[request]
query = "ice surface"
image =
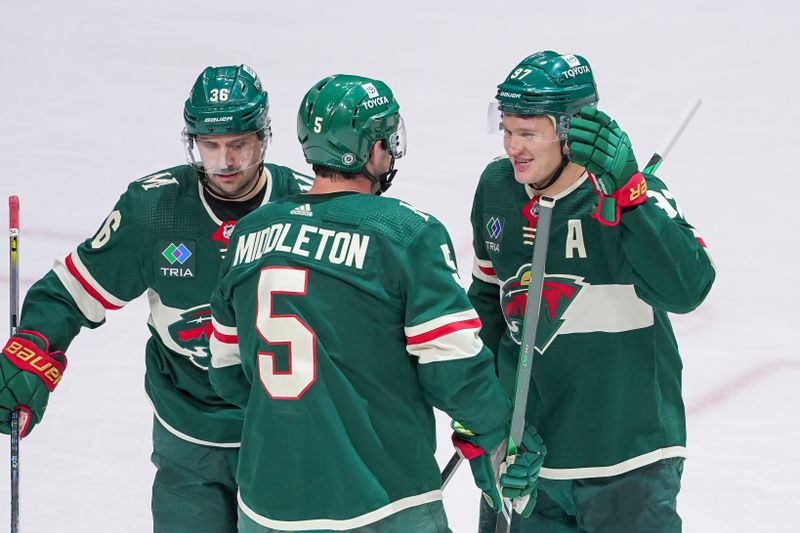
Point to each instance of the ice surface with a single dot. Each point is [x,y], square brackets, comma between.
[91,95]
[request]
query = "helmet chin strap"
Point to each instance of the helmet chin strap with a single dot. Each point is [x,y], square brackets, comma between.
[384,180]
[556,174]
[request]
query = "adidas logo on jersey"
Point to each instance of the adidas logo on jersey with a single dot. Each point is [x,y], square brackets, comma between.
[304,210]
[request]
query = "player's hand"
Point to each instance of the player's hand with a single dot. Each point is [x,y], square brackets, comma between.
[494,476]
[522,472]
[28,374]
[597,143]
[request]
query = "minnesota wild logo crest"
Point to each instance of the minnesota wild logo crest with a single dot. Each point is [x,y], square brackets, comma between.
[192,332]
[558,293]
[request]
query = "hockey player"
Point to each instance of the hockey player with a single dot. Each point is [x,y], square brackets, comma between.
[167,234]
[339,322]
[606,385]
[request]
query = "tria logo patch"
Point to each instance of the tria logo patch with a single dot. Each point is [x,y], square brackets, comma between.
[177,254]
[559,292]
[493,227]
[177,259]
[193,333]
[302,210]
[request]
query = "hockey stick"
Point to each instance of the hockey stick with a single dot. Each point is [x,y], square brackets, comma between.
[530,326]
[13,236]
[652,165]
[673,136]
[504,518]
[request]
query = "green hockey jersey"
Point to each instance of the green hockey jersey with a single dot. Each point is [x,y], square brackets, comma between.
[606,385]
[163,238]
[339,322]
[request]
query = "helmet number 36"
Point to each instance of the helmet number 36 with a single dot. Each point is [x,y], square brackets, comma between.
[290,330]
[218,95]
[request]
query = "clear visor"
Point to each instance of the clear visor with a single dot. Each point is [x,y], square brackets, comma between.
[538,132]
[226,154]
[397,140]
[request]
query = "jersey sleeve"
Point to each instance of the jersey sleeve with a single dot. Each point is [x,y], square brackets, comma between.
[671,266]
[225,371]
[484,291]
[103,273]
[455,369]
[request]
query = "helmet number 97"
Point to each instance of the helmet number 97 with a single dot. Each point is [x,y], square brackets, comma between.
[219,95]
[520,73]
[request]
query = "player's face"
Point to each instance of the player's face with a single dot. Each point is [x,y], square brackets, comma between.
[231,162]
[533,147]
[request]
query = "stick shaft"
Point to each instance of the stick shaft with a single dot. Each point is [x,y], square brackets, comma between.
[673,136]
[527,350]
[13,236]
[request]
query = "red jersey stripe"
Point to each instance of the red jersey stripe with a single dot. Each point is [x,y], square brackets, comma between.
[87,286]
[487,270]
[227,339]
[441,331]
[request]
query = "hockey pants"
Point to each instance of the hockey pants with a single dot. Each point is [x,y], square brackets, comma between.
[194,490]
[639,501]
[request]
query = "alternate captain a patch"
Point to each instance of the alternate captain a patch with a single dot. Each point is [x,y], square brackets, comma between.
[176,259]
[493,232]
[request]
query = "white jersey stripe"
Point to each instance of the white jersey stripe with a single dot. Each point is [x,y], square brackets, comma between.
[225,330]
[484,272]
[88,305]
[609,308]
[345,524]
[460,344]
[189,438]
[613,470]
[224,346]
[430,325]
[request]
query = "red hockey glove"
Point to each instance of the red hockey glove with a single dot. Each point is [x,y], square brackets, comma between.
[28,374]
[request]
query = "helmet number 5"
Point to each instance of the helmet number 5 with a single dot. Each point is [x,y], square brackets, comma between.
[294,380]
[317,124]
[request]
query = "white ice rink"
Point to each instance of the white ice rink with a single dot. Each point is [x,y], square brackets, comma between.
[91,95]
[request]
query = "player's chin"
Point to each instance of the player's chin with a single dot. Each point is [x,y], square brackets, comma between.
[228,184]
[525,178]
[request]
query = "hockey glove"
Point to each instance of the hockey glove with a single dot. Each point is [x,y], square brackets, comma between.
[28,374]
[597,143]
[515,479]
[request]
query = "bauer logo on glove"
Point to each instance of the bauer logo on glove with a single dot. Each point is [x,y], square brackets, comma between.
[27,356]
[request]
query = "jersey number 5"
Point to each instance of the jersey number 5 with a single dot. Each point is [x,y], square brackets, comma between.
[290,330]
